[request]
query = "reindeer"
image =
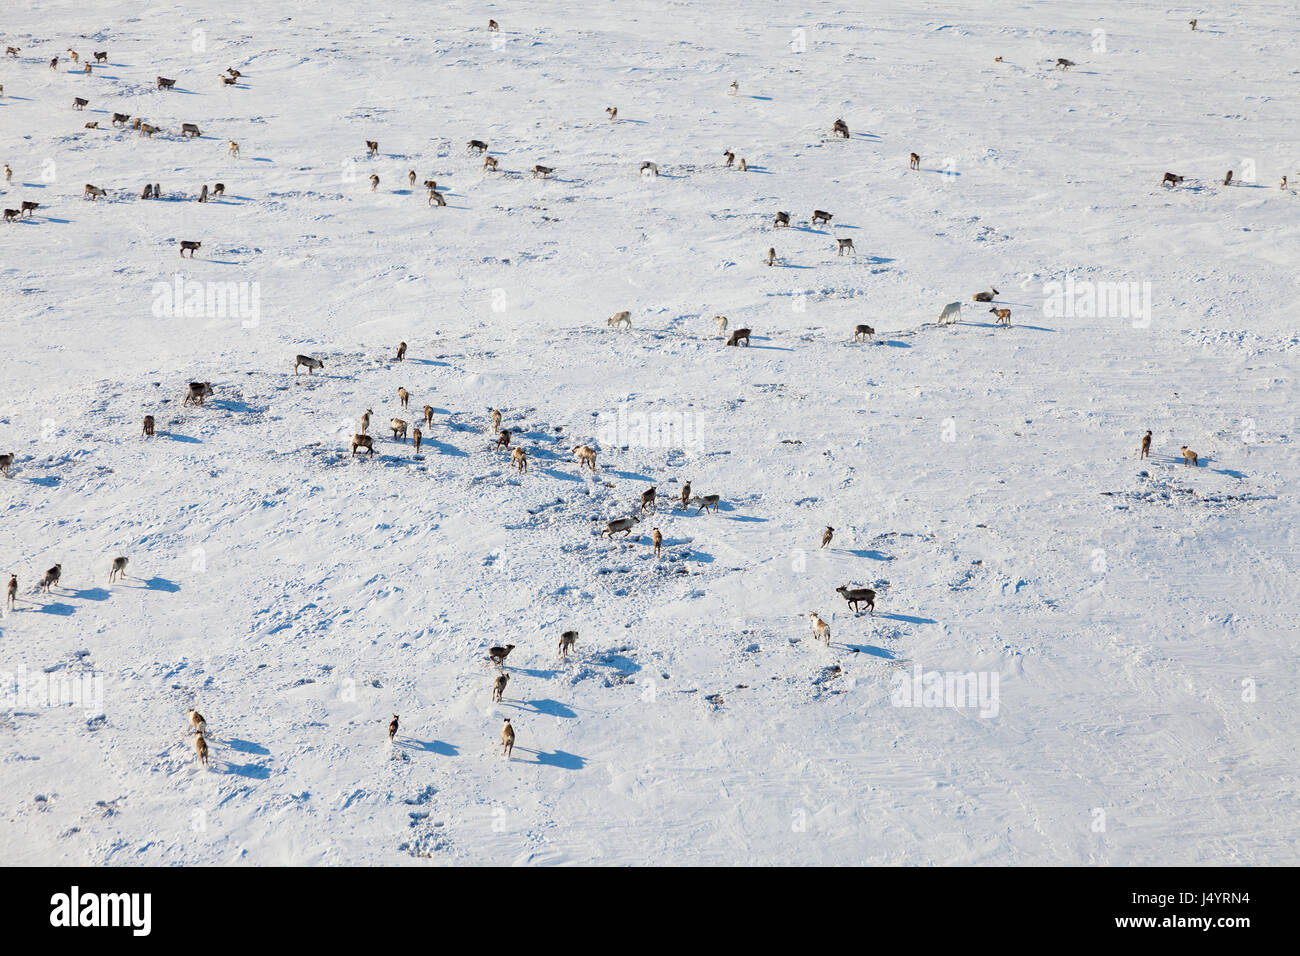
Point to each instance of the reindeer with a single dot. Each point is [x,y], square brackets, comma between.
[94,124]
[392,728]
[827,535]
[656,541]
[51,578]
[1004,315]
[79,102]
[734,88]
[496,420]
[29,207]
[507,737]
[840,128]
[9,173]
[72,55]
[738,336]
[190,131]
[984,296]
[233,149]
[372,148]
[731,157]
[101,56]
[1193,23]
[228,80]
[1171,180]
[1227,180]
[706,502]
[653,167]
[499,686]
[201,748]
[542,171]
[404,397]
[742,165]
[822,216]
[219,189]
[1190,458]
[147,431]
[1146,446]
[1063,64]
[620,524]
[11,50]
[11,594]
[771,255]
[586,455]
[436,198]
[147,129]
[821,630]
[648,500]
[477,145]
[493,26]
[5,462]
[374,181]
[950,314]
[490,162]
[87,70]
[93,192]
[686,495]
[417,436]
[612,111]
[121,119]
[203,193]
[197,723]
[721,322]
[363,441]
[54,63]
[914,161]
[856,596]
[567,641]
[165,84]
[498,655]
[428,416]
[197,392]
[10,215]
[519,459]
[118,570]
[620,319]
[862,332]
[782,219]
[401,351]
[365,421]
[503,440]
[845,245]
[185,243]
[410,177]
[308,361]
[398,428]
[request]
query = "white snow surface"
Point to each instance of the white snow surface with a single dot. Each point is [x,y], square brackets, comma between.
[1139,616]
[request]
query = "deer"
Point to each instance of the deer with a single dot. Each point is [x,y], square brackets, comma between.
[984,296]
[374,181]
[490,162]
[11,592]
[29,207]
[93,192]
[648,500]
[543,171]
[822,215]
[428,416]
[6,461]
[738,336]
[721,322]
[1004,315]
[496,420]
[118,570]
[197,723]
[498,655]
[503,440]
[771,256]
[519,460]
[365,421]
[363,441]
[165,84]
[620,319]
[730,156]
[372,148]
[401,351]
[612,111]
[196,393]
[51,578]
[477,145]
[653,167]
[233,149]
[620,524]
[417,436]
[80,102]
[845,245]
[586,455]
[1190,458]
[856,596]
[1146,446]
[404,397]
[201,748]
[1171,180]
[950,314]
[567,641]
[121,119]
[914,161]
[782,219]
[398,427]
[499,686]
[436,198]
[147,431]
[656,541]
[190,131]
[827,535]
[191,245]
[310,363]
[392,728]
[840,128]
[862,332]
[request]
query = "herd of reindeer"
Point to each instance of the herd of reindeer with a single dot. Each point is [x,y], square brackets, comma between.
[584,455]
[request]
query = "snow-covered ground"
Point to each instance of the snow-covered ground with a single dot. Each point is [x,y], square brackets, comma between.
[1132,623]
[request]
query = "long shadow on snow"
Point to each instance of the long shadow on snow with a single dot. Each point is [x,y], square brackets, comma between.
[559,758]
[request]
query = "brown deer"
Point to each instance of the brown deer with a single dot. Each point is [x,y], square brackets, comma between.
[914,161]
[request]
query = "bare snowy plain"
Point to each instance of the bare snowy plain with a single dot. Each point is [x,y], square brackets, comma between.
[1126,627]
